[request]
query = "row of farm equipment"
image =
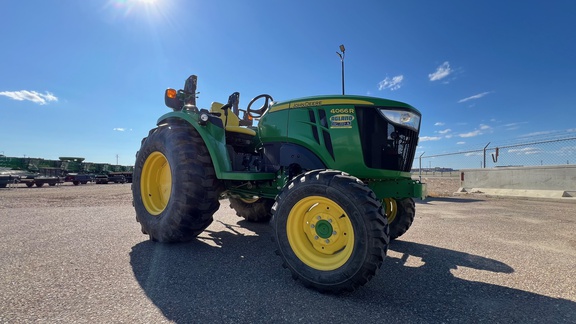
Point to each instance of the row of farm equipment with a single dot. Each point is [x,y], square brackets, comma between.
[39,172]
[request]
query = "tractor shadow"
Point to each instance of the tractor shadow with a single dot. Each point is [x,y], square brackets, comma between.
[447,199]
[226,276]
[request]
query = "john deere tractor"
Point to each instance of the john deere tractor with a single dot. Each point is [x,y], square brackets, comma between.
[332,172]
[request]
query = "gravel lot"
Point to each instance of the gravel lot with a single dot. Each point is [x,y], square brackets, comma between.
[76,254]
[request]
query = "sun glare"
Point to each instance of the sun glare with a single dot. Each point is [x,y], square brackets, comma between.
[135,7]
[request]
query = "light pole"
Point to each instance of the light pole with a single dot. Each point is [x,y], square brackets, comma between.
[342,49]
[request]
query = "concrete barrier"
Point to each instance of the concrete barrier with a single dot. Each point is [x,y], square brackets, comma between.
[555,181]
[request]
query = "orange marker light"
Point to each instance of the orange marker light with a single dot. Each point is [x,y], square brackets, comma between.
[171,93]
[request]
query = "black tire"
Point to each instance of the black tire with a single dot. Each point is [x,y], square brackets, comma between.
[179,210]
[51,184]
[405,213]
[29,184]
[258,211]
[76,182]
[39,184]
[83,182]
[330,230]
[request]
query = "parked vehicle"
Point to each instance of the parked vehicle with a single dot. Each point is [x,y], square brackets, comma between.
[332,171]
[8,179]
[101,179]
[77,179]
[39,172]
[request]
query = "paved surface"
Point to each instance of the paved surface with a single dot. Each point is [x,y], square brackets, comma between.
[76,254]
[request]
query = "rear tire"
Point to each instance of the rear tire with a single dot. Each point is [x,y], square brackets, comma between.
[330,230]
[175,189]
[258,211]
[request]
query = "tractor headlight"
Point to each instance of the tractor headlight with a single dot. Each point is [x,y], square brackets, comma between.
[402,117]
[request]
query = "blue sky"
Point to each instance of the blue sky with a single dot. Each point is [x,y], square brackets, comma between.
[87,78]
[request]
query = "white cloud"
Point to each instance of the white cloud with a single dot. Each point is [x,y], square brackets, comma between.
[526,150]
[471,134]
[119,129]
[514,126]
[538,133]
[441,72]
[439,124]
[430,138]
[460,143]
[391,83]
[484,127]
[449,136]
[476,96]
[33,96]
[448,130]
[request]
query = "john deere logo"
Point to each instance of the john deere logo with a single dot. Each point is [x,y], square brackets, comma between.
[341,121]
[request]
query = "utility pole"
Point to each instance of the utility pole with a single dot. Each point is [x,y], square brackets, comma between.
[116,159]
[342,50]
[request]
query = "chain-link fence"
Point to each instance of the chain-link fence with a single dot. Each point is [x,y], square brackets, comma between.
[555,151]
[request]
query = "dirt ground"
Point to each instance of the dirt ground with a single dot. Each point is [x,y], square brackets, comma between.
[66,195]
[75,254]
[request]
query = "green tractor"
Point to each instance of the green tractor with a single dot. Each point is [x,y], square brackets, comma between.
[332,172]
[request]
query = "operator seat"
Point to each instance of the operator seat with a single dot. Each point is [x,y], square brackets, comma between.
[231,122]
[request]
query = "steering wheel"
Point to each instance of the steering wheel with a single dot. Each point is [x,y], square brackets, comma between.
[259,112]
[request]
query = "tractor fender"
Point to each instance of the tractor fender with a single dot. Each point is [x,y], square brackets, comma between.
[212,134]
[291,154]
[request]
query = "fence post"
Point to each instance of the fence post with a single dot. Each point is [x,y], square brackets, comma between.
[420,167]
[485,154]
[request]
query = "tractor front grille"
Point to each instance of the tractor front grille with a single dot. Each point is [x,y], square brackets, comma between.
[385,145]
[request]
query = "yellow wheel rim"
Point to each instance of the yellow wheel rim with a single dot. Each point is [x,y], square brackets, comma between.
[391,209]
[156,183]
[320,233]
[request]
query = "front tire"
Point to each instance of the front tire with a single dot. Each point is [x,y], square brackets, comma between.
[253,210]
[400,215]
[175,189]
[330,230]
